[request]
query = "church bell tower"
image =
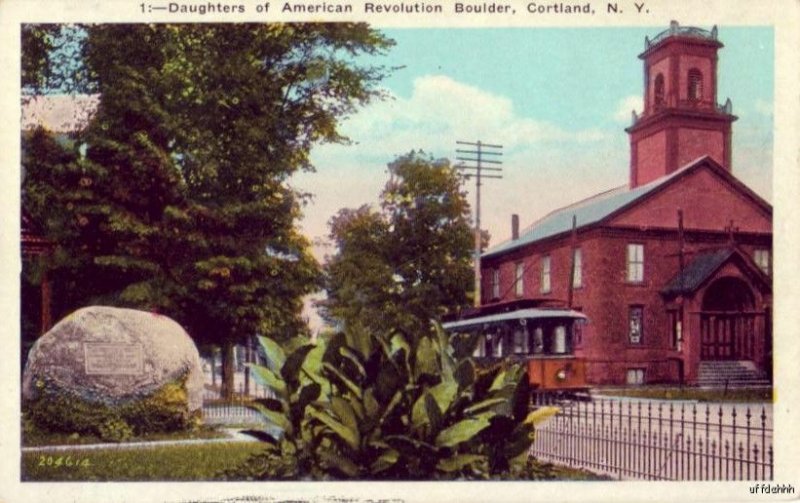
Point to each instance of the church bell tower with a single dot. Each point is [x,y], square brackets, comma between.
[681,120]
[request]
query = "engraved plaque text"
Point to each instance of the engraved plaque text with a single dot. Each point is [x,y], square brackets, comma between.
[109,358]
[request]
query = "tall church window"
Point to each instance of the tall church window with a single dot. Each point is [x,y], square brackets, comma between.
[545,284]
[658,90]
[635,324]
[519,285]
[635,263]
[761,258]
[695,91]
[577,274]
[495,283]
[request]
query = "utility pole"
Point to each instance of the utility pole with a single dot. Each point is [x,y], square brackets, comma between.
[476,158]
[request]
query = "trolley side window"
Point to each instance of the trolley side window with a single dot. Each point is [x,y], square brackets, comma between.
[480,347]
[521,338]
[496,343]
[559,340]
[538,341]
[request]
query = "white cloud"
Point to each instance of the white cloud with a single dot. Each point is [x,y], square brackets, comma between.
[626,105]
[439,112]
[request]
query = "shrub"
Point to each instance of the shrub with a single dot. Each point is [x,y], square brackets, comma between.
[389,406]
[115,430]
[164,410]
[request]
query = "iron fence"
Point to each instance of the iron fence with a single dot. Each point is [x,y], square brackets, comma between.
[656,440]
[233,411]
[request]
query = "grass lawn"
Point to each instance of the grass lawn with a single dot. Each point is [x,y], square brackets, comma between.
[688,393]
[32,437]
[176,463]
[170,463]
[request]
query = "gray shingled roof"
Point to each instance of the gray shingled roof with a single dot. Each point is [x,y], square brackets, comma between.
[697,271]
[520,314]
[587,212]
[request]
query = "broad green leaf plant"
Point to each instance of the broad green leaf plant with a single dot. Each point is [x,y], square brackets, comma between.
[362,405]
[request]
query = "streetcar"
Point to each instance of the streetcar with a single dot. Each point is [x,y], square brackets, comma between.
[538,334]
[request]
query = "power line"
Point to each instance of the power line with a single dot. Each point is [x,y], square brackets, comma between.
[482,154]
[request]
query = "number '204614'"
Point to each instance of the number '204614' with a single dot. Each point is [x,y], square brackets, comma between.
[66,461]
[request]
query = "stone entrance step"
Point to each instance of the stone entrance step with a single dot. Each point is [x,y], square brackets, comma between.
[731,373]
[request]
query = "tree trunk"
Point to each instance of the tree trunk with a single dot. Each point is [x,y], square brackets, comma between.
[213,369]
[247,359]
[228,370]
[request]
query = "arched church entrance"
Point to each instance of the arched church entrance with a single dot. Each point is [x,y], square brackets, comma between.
[729,322]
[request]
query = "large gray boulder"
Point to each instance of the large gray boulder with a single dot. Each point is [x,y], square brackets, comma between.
[114,356]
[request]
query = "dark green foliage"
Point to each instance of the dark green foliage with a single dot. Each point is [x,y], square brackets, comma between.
[33,436]
[164,410]
[411,261]
[362,405]
[176,196]
[115,430]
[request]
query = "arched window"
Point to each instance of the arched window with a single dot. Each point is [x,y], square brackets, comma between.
[658,90]
[695,91]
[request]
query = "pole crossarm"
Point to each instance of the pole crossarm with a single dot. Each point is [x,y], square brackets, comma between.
[477,168]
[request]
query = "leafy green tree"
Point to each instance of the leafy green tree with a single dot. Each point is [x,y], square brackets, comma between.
[410,261]
[367,405]
[180,200]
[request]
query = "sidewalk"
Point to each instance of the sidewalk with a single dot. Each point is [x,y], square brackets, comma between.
[234,436]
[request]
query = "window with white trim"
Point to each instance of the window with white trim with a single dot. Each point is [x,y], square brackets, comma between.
[577,274]
[519,283]
[761,258]
[545,284]
[495,283]
[635,324]
[635,263]
[634,377]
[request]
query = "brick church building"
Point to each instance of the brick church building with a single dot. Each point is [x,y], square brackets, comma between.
[672,270]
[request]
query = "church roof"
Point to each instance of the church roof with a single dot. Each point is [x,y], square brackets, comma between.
[704,265]
[697,271]
[587,212]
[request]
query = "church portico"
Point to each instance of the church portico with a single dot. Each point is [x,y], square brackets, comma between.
[725,300]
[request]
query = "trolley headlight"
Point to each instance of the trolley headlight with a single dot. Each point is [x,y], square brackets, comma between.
[561,375]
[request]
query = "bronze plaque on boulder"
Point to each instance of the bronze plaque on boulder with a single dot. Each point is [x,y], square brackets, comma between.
[108,358]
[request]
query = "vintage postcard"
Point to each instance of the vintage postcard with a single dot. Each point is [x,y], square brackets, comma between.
[400,251]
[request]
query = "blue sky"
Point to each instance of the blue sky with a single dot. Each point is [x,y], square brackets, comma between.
[558,100]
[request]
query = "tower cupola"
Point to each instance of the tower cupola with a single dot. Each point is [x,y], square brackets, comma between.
[681,120]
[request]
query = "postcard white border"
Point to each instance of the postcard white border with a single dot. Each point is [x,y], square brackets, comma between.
[783,15]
